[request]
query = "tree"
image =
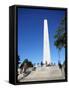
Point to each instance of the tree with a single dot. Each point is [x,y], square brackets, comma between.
[17,63]
[59,46]
[18,60]
[30,64]
[63,32]
[27,62]
[60,36]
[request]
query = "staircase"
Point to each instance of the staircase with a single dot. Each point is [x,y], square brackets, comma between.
[45,73]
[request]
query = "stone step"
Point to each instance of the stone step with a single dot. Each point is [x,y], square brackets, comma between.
[47,72]
[44,73]
[47,68]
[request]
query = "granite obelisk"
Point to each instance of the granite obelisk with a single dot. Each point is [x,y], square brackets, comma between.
[46,44]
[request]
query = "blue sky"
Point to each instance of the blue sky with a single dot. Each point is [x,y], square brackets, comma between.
[30,33]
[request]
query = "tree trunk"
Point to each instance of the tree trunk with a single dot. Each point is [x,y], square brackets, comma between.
[59,54]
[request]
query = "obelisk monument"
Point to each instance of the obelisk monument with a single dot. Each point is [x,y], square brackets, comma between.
[46,44]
